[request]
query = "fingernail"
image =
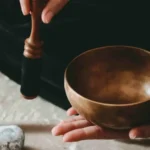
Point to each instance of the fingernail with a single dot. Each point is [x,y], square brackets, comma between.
[62,121]
[54,133]
[68,114]
[137,135]
[66,139]
[132,135]
[47,18]
[24,10]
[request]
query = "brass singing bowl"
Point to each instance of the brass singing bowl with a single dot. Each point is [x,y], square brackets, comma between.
[110,86]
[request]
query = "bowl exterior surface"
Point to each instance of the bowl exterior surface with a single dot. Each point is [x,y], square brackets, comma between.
[115,116]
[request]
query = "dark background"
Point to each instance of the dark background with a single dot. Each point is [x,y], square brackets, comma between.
[80,26]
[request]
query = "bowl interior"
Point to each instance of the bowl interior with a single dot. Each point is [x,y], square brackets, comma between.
[113,75]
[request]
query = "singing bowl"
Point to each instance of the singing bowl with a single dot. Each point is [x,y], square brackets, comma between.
[110,86]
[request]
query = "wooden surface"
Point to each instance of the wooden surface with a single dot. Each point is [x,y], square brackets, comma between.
[38,117]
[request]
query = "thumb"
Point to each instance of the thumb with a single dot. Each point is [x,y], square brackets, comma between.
[52,8]
[25,6]
[140,132]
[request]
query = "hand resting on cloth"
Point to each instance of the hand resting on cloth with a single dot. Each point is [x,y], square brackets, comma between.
[78,128]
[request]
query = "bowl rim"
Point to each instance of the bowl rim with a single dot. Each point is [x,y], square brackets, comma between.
[90,100]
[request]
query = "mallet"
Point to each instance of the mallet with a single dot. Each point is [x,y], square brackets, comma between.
[32,56]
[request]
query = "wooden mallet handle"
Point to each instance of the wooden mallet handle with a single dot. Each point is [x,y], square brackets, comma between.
[32,56]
